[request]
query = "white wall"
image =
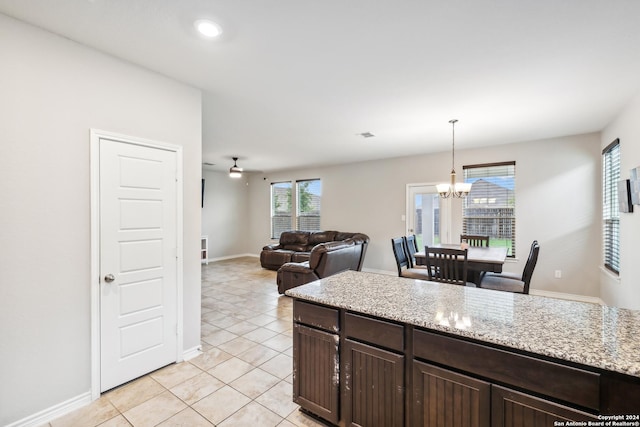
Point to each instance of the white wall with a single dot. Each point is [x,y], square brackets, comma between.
[52,92]
[369,197]
[225,214]
[625,290]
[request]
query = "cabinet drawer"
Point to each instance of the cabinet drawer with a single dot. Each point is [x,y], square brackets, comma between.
[378,332]
[509,408]
[566,383]
[315,315]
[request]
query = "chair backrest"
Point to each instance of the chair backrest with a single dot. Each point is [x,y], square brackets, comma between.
[475,240]
[399,253]
[447,265]
[527,273]
[411,246]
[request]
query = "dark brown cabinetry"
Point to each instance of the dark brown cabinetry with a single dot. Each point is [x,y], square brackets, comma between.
[373,367]
[316,360]
[515,409]
[356,370]
[446,398]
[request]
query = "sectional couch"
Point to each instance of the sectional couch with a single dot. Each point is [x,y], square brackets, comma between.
[302,256]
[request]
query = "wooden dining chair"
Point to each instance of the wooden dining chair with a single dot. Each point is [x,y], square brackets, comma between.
[411,246]
[511,282]
[475,240]
[402,261]
[447,265]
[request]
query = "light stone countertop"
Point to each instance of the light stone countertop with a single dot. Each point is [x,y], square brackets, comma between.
[589,334]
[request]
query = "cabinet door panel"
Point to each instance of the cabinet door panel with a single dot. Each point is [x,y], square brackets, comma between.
[446,398]
[510,408]
[374,386]
[315,372]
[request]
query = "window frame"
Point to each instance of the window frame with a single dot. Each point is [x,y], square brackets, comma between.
[611,166]
[298,215]
[272,210]
[513,222]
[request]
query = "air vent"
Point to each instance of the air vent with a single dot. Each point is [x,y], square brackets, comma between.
[366,135]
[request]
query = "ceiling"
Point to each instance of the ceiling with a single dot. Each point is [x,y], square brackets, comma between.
[293,83]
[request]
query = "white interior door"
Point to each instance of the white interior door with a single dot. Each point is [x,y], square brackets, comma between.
[138,260]
[427,216]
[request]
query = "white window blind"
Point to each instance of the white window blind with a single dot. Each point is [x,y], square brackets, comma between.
[489,209]
[308,196]
[610,212]
[280,208]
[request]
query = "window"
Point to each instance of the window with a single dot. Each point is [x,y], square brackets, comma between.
[280,208]
[610,213]
[489,209]
[308,194]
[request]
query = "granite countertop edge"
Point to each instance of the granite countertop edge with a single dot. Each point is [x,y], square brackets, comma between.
[615,352]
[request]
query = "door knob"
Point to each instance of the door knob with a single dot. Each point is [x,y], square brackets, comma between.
[109,278]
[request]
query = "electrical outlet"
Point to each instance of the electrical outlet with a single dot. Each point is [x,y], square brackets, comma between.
[558,274]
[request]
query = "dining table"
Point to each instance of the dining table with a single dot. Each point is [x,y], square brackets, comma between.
[479,260]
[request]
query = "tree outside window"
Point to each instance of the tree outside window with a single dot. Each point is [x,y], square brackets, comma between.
[308,193]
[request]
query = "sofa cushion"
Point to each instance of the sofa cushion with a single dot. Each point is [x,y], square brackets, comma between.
[297,248]
[341,235]
[322,237]
[316,254]
[273,259]
[300,256]
[294,238]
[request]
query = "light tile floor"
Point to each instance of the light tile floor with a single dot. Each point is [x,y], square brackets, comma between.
[242,378]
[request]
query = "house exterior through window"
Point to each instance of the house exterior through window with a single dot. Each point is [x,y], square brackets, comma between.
[306,200]
[280,208]
[308,195]
[610,211]
[489,209]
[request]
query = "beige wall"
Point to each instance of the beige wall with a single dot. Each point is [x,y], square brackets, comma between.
[225,214]
[370,197]
[53,92]
[624,291]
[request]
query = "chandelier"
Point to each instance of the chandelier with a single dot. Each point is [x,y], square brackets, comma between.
[453,189]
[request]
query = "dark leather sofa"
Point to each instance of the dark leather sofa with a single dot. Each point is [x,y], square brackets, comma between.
[296,246]
[313,258]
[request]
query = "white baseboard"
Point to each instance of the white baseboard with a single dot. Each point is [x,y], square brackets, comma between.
[191,353]
[222,258]
[54,412]
[562,295]
[77,402]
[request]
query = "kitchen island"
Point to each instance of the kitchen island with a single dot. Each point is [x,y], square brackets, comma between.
[372,349]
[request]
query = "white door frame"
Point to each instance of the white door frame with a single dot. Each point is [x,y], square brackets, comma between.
[445,212]
[96,135]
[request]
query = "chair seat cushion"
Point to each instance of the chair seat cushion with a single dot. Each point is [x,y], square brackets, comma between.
[512,276]
[416,273]
[502,283]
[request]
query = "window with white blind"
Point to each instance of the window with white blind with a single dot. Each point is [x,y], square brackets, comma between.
[489,209]
[308,195]
[610,212]
[280,208]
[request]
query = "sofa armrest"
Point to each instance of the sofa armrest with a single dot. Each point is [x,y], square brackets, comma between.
[272,247]
[296,267]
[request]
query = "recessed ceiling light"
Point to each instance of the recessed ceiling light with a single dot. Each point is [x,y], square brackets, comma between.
[208,28]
